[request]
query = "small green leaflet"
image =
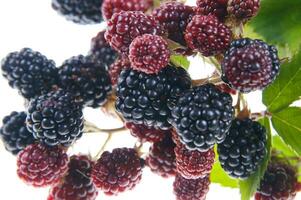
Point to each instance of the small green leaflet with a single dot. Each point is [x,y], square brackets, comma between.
[249,186]
[280,145]
[288,126]
[287,87]
[180,61]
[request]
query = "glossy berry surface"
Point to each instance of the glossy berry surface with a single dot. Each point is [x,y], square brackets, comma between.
[217,8]
[116,68]
[244,9]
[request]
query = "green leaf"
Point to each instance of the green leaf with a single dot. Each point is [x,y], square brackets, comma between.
[280,145]
[286,88]
[180,61]
[278,21]
[249,186]
[288,126]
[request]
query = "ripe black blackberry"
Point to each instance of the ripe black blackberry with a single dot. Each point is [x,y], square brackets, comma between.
[174,17]
[148,98]
[207,35]
[87,80]
[202,117]
[243,149]
[280,182]
[79,11]
[191,189]
[110,7]
[116,68]
[213,7]
[30,72]
[244,9]
[55,118]
[124,27]
[14,133]
[101,51]
[250,65]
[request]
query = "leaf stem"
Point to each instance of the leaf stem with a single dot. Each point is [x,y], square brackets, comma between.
[91,128]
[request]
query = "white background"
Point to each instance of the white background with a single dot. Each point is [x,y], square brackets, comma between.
[32,23]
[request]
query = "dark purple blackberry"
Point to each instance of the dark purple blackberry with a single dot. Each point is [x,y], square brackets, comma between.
[217,8]
[202,117]
[148,99]
[14,133]
[243,9]
[101,51]
[79,11]
[30,72]
[250,65]
[174,17]
[243,149]
[55,118]
[87,80]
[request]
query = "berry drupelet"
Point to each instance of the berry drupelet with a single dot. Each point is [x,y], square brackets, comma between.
[30,72]
[55,118]
[161,158]
[39,165]
[149,53]
[174,17]
[101,51]
[110,7]
[148,98]
[116,68]
[207,35]
[250,65]
[77,184]
[79,11]
[87,80]
[217,8]
[117,171]
[243,9]
[191,189]
[202,117]
[243,149]
[14,133]
[124,27]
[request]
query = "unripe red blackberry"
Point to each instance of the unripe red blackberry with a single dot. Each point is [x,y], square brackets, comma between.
[250,65]
[207,35]
[243,9]
[191,189]
[14,133]
[116,68]
[145,133]
[117,171]
[40,165]
[193,164]
[101,51]
[161,158]
[279,182]
[110,7]
[213,7]
[174,17]
[124,27]
[202,117]
[243,149]
[77,184]
[149,53]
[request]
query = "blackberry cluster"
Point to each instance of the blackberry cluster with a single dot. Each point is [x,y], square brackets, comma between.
[202,117]
[145,133]
[147,98]
[191,189]
[217,8]
[87,80]
[77,184]
[124,27]
[149,53]
[55,118]
[39,165]
[30,72]
[116,68]
[14,133]
[101,51]
[110,7]
[250,65]
[243,9]
[174,17]
[79,11]
[161,158]
[117,171]
[243,149]
[207,35]
[279,182]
